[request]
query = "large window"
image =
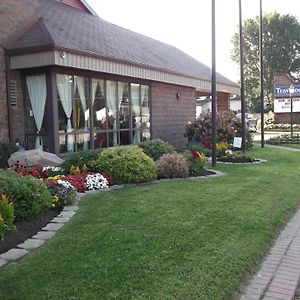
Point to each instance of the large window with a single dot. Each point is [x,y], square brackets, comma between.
[111,112]
[73,113]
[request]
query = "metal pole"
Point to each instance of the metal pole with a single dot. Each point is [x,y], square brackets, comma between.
[261,77]
[291,115]
[242,79]
[213,87]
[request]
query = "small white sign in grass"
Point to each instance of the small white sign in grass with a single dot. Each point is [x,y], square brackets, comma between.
[237,142]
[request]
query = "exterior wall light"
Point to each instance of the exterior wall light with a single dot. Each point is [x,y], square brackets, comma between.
[177,96]
[63,55]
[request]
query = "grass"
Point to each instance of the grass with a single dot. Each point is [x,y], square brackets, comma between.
[189,239]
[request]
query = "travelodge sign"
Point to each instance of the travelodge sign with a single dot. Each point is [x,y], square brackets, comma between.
[284,90]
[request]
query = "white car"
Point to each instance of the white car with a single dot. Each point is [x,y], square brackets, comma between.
[251,122]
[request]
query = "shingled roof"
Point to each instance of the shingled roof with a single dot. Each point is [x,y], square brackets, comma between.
[61,26]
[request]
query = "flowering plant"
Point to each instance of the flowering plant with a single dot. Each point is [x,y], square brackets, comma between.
[196,161]
[7,215]
[62,196]
[96,181]
[38,172]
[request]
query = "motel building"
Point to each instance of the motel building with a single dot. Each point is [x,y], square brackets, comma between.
[286,91]
[72,81]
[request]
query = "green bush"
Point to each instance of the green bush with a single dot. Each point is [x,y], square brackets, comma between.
[126,164]
[172,166]
[6,150]
[78,159]
[29,195]
[7,215]
[156,148]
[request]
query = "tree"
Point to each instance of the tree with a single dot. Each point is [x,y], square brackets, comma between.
[281,38]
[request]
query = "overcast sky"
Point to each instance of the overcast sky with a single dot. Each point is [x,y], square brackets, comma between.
[187,24]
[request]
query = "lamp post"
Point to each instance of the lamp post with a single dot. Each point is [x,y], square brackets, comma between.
[292,90]
[242,78]
[261,76]
[213,87]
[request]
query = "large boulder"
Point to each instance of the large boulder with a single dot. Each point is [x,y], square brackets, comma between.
[34,158]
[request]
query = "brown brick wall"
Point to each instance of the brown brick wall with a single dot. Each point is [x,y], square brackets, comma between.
[13,13]
[169,114]
[222,101]
[286,118]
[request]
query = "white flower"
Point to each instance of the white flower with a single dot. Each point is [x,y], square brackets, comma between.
[54,169]
[228,151]
[96,181]
[65,184]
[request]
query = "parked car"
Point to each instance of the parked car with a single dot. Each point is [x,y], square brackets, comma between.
[251,122]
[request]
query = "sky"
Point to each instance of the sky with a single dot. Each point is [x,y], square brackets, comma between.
[187,24]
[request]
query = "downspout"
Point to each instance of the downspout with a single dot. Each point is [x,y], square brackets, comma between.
[9,113]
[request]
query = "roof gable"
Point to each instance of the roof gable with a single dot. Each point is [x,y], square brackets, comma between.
[86,34]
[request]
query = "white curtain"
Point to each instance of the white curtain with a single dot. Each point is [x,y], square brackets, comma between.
[112,106]
[136,111]
[80,85]
[37,91]
[64,87]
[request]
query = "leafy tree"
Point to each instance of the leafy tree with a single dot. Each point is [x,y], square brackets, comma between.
[281,38]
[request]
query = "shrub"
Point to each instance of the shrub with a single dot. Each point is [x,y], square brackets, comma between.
[126,164]
[228,127]
[28,194]
[172,166]
[156,148]
[79,159]
[7,215]
[6,150]
[196,161]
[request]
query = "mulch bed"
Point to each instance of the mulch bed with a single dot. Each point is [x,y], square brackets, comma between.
[25,230]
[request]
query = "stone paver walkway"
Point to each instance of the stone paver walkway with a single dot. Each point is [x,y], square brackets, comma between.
[279,275]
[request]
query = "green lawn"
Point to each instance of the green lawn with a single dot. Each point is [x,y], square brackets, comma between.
[189,239]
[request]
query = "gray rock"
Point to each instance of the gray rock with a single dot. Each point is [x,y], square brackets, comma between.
[36,157]
[44,235]
[53,226]
[71,208]
[31,244]
[66,214]
[60,220]
[13,254]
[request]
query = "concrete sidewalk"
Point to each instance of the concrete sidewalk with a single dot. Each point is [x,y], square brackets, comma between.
[279,275]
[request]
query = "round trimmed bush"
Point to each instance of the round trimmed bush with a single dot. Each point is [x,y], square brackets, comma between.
[156,148]
[172,166]
[126,164]
[29,195]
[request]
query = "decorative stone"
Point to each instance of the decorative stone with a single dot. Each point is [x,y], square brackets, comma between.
[60,220]
[31,244]
[71,208]
[115,187]
[13,254]
[53,226]
[35,157]
[3,262]
[44,235]
[66,214]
